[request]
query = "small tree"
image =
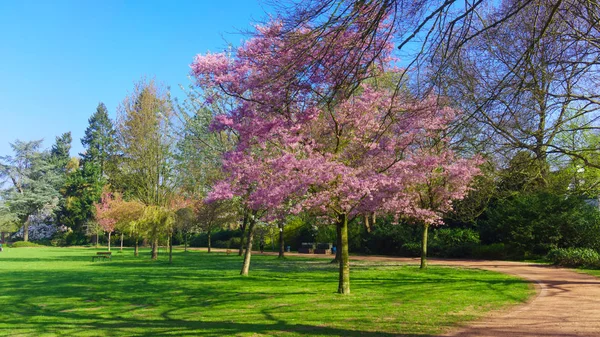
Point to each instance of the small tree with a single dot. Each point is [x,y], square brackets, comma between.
[185,223]
[213,215]
[105,213]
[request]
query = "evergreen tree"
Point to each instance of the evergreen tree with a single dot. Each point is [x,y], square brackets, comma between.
[34,182]
[59,153]
[99,139]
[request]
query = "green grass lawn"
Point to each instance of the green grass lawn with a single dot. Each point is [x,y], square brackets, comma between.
[59,291]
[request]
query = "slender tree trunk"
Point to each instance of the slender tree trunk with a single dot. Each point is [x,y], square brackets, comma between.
[185,238]
[248,255]
[26,229]
[97,239]
[209,240]
[344,279]
[121,242]
[170,248]
[136,249]
[155,249]
[281,242]
[109,233]
[424,247]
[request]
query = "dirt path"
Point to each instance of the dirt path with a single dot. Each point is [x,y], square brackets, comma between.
[567,303]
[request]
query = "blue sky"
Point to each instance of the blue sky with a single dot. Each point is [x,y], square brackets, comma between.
[58,59]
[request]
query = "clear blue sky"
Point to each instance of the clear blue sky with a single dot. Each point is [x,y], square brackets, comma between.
[58,59]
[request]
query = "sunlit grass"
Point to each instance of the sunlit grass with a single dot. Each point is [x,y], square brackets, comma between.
[59,291]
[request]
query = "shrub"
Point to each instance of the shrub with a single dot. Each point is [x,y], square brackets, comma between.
[574,257]
[22,244]
[411,249]
[537,222]
[453,242]
[389,238]
[495,251]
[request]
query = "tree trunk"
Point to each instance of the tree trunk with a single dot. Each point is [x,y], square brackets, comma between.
[281,242]
[26,230]
[121,242]
[170,248]
[185,242]
[155,249]
[209,241]
[424,247]
[248,255]
[136,249]
[97,239]
[109,233]
[344,279]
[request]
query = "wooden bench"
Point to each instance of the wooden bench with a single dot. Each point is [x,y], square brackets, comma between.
[102,255]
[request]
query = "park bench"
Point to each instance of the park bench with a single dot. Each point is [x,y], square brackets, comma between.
[102,255]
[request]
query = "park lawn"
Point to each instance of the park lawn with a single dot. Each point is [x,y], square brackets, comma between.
[60,292]
[593,272]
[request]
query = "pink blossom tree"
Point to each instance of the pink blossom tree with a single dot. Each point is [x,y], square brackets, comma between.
[376,149]
[105,213]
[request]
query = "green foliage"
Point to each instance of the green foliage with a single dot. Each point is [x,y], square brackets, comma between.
[534,223]
[130,296]
[145,144]
[25,244]
[411,249]
[574,257]
[33,180]
[81,190]
[59,154]
[453,242]
[390,239]
[494,251]
[99,140]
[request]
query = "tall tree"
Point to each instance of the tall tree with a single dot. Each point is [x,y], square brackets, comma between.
[33,181]
[82,188]
[527,84]
[59,153]
[146,147]
[99,139]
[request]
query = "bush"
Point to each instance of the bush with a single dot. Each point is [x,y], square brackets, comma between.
[411,249]
[453,242]
[388,238]
[534,223]
[23,244]
[574,257]
[495,251]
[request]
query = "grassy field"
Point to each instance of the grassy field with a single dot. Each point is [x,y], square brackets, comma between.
[59,291]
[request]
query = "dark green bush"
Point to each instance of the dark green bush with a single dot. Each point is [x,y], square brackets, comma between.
[495,251]
[411,249]
[574,257]
[453,242]
[388,238]
[534,223]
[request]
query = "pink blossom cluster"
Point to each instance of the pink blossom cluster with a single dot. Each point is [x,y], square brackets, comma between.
[103,211]
[375,150]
